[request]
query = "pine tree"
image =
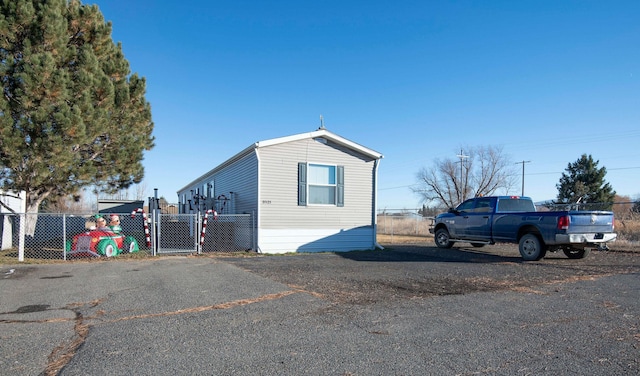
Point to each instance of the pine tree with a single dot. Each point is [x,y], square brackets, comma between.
[584,182]
[71,113]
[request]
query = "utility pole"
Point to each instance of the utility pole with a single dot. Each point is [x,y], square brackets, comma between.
[462,189]
[523,162]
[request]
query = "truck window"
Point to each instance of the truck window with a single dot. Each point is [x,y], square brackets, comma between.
[483,205]
[515,205]
[465,206]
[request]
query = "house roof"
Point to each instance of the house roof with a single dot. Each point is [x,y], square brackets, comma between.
[319,133]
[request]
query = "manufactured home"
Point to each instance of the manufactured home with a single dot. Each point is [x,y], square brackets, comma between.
[309,192]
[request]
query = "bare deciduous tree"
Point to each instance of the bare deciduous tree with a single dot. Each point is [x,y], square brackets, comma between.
[137,190]
[141,190]
[480,171]
[71,204]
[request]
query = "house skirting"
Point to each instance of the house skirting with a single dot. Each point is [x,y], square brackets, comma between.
[316,240]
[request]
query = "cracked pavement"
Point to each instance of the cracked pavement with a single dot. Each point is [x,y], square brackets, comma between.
[405,310]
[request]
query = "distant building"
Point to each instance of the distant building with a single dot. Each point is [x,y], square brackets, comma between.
[119,206]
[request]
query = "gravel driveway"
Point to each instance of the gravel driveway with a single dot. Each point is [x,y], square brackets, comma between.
[402,272]
[406,310]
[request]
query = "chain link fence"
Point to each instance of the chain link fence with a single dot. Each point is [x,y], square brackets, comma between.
[67,236]
[228,233]
[46,236]
[403,224]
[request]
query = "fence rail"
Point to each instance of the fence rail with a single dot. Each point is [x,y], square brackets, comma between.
[47,236]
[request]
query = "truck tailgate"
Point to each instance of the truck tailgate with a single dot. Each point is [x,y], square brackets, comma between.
[590,222]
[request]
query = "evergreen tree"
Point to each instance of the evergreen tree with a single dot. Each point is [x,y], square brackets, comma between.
[584,182]
[71,113]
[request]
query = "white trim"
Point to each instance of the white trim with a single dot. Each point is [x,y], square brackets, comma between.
[375,204]
[324,134]
[334,185]
[259,193]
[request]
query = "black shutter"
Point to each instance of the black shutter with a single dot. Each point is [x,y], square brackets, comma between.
[340,186]
[302,184]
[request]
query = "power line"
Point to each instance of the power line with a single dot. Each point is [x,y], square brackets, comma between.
[528,174]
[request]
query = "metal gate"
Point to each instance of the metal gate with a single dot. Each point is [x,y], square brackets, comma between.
[192,233]
[177,233]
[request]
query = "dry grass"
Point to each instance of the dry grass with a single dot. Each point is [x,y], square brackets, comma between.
[404,239]
[10,256]
[399,225]
[628,229]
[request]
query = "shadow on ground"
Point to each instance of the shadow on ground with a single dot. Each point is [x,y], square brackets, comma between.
[412,253]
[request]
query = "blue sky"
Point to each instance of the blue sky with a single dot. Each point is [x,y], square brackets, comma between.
[414,80]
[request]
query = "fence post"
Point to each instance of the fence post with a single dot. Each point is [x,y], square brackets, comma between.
[254,232]
[64,237]
[152,230]
[21,236]
[155,241]
[198,231]
[392,230]
[158,237]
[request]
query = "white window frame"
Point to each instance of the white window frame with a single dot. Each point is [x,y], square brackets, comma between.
[331,185]
[303,184]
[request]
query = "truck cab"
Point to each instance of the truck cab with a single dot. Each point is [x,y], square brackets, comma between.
[472,219]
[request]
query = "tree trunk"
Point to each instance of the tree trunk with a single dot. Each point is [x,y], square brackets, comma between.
[31,216]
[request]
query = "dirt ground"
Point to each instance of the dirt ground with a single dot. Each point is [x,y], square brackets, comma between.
[415,270]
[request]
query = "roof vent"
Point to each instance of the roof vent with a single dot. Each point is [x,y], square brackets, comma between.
[321,123]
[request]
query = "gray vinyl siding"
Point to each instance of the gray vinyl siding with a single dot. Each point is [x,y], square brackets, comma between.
[279,187]
[241,178]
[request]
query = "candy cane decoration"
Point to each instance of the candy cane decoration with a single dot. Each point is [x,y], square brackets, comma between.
[204,223]
[146,225]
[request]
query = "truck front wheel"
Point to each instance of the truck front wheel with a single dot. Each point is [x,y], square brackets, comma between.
[531,249]
[442,238]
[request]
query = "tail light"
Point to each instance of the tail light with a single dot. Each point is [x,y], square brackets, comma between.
[563,222]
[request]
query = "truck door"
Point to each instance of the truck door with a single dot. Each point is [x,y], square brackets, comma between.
[457,226]
[478,220]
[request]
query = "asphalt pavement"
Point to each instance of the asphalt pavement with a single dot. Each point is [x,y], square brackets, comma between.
[235,316]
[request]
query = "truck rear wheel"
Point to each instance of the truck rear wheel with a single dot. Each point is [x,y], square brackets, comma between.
[531,249]
[442,238]
[576,253]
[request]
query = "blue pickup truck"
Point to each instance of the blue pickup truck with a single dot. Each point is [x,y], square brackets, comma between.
[514,219]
